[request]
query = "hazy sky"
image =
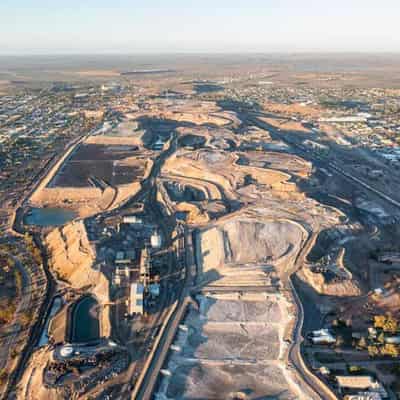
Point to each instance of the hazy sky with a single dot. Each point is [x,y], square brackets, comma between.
[100,26]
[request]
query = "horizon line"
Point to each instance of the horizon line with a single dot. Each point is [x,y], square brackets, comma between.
[201,53]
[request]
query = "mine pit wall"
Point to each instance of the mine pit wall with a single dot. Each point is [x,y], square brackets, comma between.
[195,216]
[278,180]
[209,189]
[213,237]
[71,258]
[192,169]
[291,256]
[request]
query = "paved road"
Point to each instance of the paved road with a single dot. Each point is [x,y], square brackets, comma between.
[15,329]
[319,390]
[43,308]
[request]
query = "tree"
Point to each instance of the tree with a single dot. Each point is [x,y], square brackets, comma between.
[25,318]
[7,313]
[3,377]
[355,369]
[362,343]
[18,281]
[373,351]
[390,350]
[14,353]
[381,338]
[386,322]
[390,325]
[379,321]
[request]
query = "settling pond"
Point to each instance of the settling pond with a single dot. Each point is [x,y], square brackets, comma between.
[48,216]
[84,321]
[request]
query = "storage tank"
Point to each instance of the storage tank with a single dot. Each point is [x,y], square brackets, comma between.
[156,240]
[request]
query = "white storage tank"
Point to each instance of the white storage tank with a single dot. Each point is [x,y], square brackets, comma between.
[156,240]
[132,219]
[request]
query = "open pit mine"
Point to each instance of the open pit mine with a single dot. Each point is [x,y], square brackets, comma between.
[193,234]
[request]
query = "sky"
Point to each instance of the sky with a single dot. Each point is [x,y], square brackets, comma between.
[201,26]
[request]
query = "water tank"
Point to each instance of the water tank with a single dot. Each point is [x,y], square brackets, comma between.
[165,372]
[156,240]
[66,351]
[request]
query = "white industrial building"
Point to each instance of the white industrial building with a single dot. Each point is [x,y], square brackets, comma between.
[132,219]
[156,240]
[136,298]
[322,336]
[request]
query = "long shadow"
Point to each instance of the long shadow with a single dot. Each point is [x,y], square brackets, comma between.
[178,384]
[207,87]
[159,128]
[242,109]
[313,318]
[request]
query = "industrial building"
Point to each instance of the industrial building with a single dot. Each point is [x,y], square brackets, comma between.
[322,336]
[364,396]
[136,298]
[156,240]
[361,384]
[132,219]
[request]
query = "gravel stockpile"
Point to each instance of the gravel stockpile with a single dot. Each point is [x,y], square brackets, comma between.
[229,349]
[223,382]
[242,311]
